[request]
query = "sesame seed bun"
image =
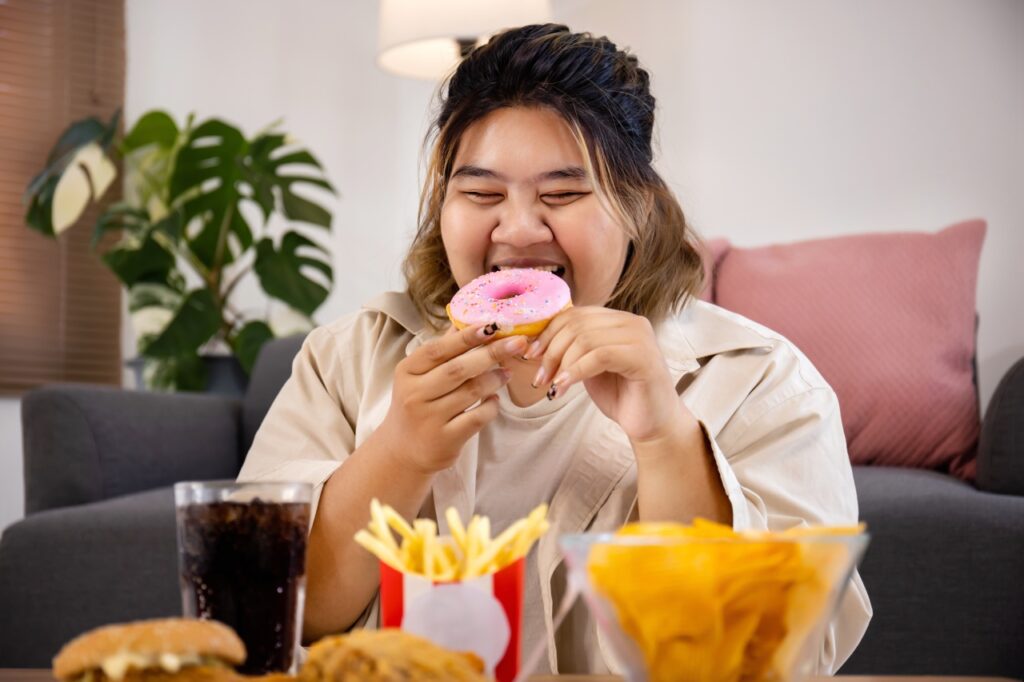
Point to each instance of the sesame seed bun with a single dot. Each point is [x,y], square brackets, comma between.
[183,637]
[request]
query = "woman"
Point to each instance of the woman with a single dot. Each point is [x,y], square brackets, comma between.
[637,403]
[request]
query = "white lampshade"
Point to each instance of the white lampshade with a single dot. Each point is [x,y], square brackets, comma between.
[421,38]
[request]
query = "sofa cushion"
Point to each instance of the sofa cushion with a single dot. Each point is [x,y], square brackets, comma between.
[92,564]
[272,369]
[889,320]
[943,574]
[1001,445]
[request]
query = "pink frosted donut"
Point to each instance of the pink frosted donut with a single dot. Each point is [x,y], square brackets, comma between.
[519,301]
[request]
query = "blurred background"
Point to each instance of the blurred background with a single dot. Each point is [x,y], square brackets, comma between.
[776,122]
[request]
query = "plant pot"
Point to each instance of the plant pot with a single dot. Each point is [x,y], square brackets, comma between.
[224,374]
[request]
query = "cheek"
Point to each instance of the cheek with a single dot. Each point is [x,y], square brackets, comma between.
[598,252]
[598,240]
[465,241]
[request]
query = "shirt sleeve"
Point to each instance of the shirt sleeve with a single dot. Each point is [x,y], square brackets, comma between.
[786,465]
[307,433]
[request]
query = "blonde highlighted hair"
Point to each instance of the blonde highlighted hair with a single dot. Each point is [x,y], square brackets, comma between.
[604,96]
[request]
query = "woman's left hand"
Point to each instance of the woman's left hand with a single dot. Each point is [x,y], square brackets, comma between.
[616,356]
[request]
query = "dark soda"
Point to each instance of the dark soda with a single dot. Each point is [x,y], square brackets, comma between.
[244,564]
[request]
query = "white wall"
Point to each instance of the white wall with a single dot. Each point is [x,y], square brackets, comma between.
[778,121]
[12,494]
[796,119]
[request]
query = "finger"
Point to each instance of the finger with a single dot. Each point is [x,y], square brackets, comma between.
[560,321]
[616,359]
[448,376]
[594,330]
[557,323]
[473,420]
[440,350]
[473,391]
[589,341]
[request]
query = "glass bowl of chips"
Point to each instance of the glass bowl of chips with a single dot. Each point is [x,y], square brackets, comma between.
[704,602]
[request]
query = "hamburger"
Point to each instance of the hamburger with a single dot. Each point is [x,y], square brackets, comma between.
[167,650]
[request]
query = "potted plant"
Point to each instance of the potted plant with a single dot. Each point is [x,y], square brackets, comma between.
[195,220]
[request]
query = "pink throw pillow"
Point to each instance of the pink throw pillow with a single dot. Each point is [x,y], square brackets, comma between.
[889,321]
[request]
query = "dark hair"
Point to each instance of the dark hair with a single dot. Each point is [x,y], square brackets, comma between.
[604,95]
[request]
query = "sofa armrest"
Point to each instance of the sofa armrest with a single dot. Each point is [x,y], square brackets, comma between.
[1001,445]
[88,443]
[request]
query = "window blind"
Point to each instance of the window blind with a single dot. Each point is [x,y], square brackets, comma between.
[60,308]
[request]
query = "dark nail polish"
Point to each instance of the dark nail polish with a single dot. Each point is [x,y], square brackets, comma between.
[491,329]
[553,391]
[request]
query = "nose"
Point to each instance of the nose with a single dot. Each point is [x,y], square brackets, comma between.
[521,224]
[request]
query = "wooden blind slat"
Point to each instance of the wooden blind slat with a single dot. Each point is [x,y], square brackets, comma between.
[60,308]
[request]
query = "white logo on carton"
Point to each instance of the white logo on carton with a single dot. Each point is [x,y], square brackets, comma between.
[460,617]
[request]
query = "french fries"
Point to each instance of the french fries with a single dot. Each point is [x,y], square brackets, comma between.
[469,552]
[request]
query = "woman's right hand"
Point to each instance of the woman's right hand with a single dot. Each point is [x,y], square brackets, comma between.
[436,385]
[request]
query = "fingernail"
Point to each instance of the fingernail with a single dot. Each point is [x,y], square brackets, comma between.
[505,373]
[488,330]
[553,391]
[539,378]
[512,344]
[532,351]
[562,378]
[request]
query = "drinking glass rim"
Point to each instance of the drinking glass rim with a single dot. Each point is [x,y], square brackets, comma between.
[228,490]
[228,483]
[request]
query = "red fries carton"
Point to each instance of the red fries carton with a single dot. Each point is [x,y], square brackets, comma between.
[482,615]
[462,591]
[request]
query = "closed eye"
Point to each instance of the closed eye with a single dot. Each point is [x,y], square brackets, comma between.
[484,197]
[561,198]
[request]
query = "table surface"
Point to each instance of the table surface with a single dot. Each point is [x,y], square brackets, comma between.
[26,675]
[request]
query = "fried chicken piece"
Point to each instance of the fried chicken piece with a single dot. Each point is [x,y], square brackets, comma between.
[387,656]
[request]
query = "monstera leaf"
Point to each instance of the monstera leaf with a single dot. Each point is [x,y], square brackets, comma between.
[269,158]
[195,321]
[165,320]
[150,150]
[147,262]
[77,172]
[249,341]
[146,251]
[206,180]
[154,128]
[284,272]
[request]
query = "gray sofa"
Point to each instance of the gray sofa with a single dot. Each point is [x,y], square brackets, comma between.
[945,570]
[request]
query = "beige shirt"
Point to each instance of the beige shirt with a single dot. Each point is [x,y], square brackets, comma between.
[772,421]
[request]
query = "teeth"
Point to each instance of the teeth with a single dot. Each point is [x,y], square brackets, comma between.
[545,268]
[557,270]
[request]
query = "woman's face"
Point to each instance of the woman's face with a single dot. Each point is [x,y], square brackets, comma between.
[519,197]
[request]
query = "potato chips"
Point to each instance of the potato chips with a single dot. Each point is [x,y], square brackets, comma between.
[470,552]
[706,603]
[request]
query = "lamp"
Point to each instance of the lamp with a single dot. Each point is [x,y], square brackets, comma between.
[427,38]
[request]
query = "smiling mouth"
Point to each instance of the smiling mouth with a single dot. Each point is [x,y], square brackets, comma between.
[557,270]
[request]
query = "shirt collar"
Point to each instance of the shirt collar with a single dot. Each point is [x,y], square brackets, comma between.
[701,330]
[399,307]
